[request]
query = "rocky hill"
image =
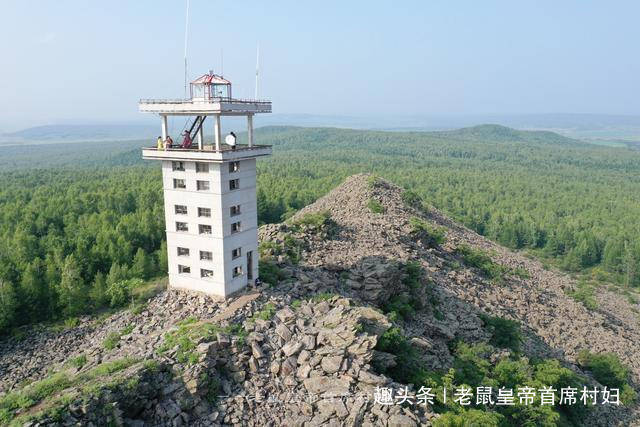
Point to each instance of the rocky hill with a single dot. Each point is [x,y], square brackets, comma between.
[364,288]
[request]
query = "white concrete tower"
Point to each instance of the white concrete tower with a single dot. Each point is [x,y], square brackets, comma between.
[210,199]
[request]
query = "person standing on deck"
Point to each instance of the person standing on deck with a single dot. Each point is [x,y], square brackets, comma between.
[159,144]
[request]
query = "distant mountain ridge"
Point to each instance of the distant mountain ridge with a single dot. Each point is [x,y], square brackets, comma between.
[581,126]
[70,133]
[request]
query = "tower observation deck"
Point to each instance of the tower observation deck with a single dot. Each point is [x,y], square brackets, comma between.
[210,202]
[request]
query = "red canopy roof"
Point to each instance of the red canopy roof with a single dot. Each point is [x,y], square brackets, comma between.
[208,79]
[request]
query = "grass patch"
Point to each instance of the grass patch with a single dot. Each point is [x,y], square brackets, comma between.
[585,293]
[267,312]
[323,296]
[375,206]
[189,334]
[78,362]
[46,389]
[113,338]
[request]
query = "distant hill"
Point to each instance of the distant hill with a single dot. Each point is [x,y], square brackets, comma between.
[498,133]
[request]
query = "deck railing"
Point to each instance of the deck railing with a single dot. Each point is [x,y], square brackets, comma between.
[203,100]
[209,148]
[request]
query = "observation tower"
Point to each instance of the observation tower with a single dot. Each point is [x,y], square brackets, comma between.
[210,202]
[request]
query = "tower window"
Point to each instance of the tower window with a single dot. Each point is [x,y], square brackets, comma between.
[234,167]
[204,212]
[206,273]
[235,227]
[203,185]
[236,253]
[235,210]
[184,269]
[183,251]
[204,229]
[181,210]
[182,226]
[234,184]
[179,183]
[177,166]
[206,256]
[237,271]
[202,167]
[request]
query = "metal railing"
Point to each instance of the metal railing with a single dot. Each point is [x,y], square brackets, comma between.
[206,101]
[210,148]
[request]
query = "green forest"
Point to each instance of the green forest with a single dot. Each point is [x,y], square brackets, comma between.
[79,222]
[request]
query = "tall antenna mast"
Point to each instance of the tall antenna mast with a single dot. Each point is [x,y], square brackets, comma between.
[186,34]
[257,68]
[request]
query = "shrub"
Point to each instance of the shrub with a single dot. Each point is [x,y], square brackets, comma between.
[373,181]
[399,305]
[269,272]
[375,206]
[505,333]
[119,293]
[411,199]
[412,274]
[608,370]
[431,236]
[480,260]
[470,418]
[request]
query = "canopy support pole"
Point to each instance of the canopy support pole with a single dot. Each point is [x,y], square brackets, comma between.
[216,131]
[164,126]
[250,129]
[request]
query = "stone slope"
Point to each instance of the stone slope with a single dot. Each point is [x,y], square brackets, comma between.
[279,355]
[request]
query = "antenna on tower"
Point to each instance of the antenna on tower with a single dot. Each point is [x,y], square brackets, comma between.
[257,68]
[186,34]
[221,62]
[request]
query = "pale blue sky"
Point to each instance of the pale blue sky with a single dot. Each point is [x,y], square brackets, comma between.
[92,60]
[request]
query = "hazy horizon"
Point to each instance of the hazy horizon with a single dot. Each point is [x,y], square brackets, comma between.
[79,62]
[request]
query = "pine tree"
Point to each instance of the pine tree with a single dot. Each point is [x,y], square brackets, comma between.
[98,293]
[117,273]
[142,265]
[8,306]
[163,262]
[35,291]
[73,292]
